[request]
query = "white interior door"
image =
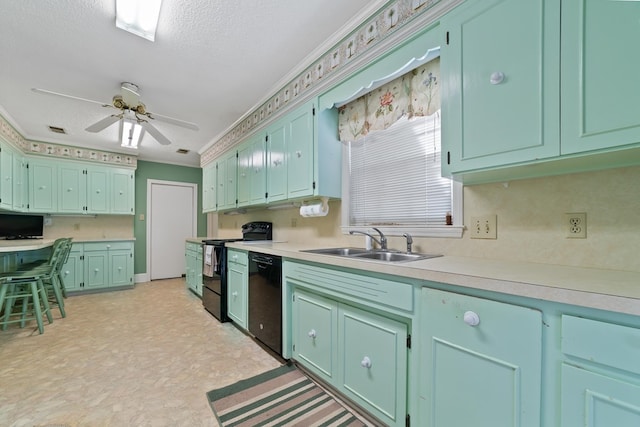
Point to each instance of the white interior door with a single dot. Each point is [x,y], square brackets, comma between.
[171,218]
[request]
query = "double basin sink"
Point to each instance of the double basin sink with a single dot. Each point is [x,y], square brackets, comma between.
[377,255]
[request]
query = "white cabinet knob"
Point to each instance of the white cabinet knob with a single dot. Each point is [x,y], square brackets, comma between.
[42,187]
[299,153]
[96,270]
[471,318]
[97,191]
[234,294]
[312,333]
[496,78]
[69,189]
[366,362]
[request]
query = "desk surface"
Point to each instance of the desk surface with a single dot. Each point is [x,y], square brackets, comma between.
[24,245]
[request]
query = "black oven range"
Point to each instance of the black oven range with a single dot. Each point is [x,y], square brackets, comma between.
[214,268]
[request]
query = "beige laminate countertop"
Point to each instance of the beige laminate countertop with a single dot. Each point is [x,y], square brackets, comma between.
[19,245]
[611,290]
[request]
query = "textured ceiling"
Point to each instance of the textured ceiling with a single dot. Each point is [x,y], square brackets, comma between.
[212,61]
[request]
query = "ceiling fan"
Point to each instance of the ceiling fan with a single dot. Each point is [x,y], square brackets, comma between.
[131,110]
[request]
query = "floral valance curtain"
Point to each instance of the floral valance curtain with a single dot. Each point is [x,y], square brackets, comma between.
[415,93]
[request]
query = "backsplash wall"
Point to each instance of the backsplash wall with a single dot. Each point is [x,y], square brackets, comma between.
[530,222]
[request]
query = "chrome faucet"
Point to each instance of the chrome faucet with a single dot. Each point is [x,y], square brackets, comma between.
[382,242]
[409,241]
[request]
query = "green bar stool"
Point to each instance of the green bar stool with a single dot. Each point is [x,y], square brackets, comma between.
[29,291]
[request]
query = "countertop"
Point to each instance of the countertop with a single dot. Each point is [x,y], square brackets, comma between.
[35,244]
[611,290]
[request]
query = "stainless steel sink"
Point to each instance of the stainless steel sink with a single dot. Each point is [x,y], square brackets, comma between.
[376,255]
[337,251]
[393,256]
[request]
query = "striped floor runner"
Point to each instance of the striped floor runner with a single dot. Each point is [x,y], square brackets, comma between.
[280,397]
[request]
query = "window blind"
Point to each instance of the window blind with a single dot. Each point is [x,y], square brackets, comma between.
[394,176]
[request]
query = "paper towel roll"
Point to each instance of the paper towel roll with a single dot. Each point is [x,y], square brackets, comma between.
[319,209]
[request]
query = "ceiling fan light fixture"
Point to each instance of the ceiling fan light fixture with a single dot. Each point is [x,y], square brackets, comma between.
[139,17]
[131,134]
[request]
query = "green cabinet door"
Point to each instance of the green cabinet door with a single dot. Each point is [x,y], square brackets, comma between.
[73,270]
[482,362]
[98,190]
[96,272]
[500,83]
[231,188]
[277,162]
[6,177]
[600,68]
[300,174]
[315,334]
[122,191]
[258,191]
[72,188]
[244,174]
[43,196]
[209,188]
[120,268]
[374,360]
[596,400]
[237,287]
[20,181]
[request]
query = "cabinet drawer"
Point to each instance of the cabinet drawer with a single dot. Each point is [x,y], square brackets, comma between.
[195,247]
[385,292]
[237,257]
[601,342]
[105,246]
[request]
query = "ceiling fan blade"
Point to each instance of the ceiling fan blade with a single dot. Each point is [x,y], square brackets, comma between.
[103,124]
[48,92]
[155,133]
[172,121]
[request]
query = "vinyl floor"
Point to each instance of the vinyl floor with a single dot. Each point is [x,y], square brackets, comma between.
[140,357]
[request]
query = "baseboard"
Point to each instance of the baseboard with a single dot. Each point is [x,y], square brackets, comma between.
[140,278]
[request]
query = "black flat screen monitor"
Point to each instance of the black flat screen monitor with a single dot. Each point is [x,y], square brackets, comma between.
[21,226]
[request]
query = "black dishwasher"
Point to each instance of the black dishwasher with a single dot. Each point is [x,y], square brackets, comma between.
[265,299]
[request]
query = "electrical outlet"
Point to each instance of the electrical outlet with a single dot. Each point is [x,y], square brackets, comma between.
[575,225]
[484,227]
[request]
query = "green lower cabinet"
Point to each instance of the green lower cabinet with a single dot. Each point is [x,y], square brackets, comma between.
[373,358]
[596,400]
[362,354]
[193,267]
[237,287]
[482,362]
[314,330]
[98,265]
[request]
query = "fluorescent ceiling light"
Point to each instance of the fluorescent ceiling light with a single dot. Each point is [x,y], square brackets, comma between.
[139,17]
[131,134]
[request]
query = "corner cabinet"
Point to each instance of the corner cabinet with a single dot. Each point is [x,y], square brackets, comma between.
[490,134]
[99,265]
[13,179]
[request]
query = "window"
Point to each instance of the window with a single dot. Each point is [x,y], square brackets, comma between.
[391,176]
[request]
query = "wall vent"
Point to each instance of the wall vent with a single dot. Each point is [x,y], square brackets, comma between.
[182,151]
[57,129]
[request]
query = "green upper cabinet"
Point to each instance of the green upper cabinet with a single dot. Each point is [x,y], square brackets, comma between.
[244,173]
[72,188]
[515,107]
[599,71]
[227,193]
[20,183]
[300,176]
[122,191]
[499,73]
[277,135]
[6,177]
[258,180]
[43,196]
[209,190]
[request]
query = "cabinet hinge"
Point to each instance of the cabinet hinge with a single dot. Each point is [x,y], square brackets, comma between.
[81,257]
[237,155]
[266,138]
[313,111]
[407,420]
[266,195]
[448,157]
[447,37]
[314,185]
[294,347]
[408,341]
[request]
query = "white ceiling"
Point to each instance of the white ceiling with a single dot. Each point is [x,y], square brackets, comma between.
[212,62]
